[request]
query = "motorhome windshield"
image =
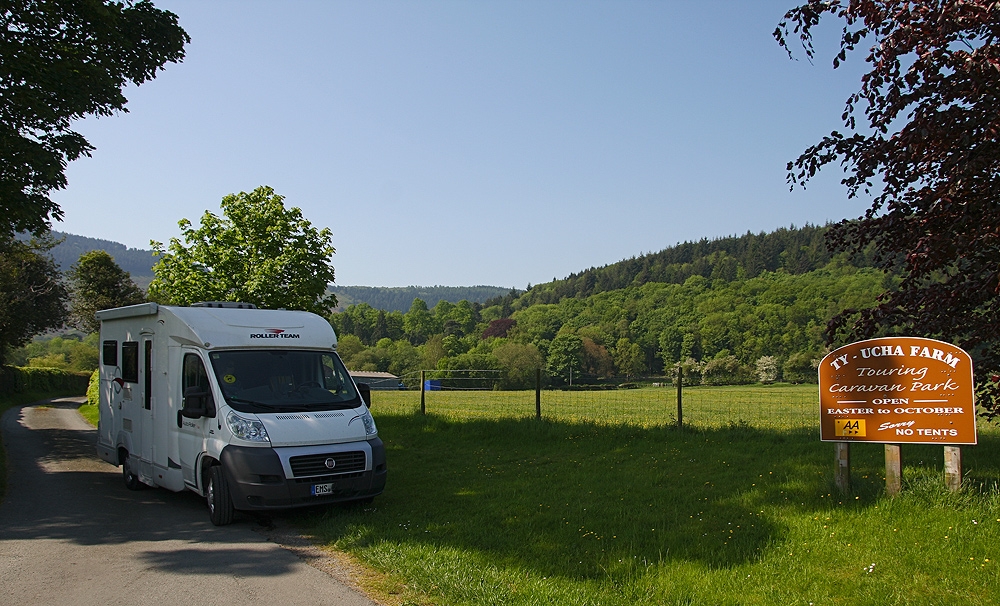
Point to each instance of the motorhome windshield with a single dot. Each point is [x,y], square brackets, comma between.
[261,381]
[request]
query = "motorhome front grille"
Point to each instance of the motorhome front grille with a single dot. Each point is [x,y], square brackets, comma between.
[319,464]
[321,479]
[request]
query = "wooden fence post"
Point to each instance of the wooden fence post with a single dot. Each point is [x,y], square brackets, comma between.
[538,393]
[423,402]
[680,383]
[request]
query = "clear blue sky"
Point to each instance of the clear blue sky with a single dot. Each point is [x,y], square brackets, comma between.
[459,143]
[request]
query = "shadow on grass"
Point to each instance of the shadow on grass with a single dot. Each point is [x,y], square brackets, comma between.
[586,500]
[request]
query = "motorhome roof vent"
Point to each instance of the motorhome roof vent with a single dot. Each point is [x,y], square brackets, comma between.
[225,304]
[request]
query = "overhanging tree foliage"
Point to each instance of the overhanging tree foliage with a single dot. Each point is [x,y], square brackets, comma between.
[61,60]
[260,252]
[32,297]
[929,151]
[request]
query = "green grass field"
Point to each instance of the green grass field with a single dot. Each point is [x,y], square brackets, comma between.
[511,510]
[756,405]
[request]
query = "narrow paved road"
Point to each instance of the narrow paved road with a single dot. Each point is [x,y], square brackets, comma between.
[70,533]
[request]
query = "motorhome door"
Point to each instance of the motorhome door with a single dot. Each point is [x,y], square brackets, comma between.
[131,404]
[196,416]
[145,409]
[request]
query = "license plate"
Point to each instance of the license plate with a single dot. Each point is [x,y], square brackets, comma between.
[319,490]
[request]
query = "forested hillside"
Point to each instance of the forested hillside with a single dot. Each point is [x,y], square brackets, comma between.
[730,310]
[737,309]
[792,250]
[136,261]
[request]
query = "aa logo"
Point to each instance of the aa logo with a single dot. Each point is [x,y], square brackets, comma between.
[849,427]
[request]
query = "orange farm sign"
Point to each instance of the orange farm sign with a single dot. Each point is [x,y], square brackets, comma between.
[897,390]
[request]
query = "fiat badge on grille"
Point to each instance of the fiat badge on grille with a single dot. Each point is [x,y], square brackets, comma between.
[330,463]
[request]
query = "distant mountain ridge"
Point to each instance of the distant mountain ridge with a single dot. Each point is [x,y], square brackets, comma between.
[790,250]
[139,263]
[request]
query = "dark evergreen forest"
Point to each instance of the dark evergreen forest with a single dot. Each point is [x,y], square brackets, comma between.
[401,298]
[790,250]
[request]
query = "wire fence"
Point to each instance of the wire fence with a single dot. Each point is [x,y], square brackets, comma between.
[476,395]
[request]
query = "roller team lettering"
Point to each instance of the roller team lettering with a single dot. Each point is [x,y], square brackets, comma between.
[274,333]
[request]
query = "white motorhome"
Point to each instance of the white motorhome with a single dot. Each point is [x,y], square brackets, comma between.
[251,408]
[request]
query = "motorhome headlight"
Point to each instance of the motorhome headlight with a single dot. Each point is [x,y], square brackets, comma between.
[366,418]
[250,430]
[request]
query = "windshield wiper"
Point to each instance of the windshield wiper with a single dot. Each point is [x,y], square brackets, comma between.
[253,403]
[331,405]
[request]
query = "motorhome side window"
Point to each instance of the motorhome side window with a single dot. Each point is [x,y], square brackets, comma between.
[109,353]
[130,361]
[194,375]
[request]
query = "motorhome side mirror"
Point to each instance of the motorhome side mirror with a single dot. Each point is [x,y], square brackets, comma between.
[195,399]
[366,393]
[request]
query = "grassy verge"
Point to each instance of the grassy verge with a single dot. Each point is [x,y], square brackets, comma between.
[89,413]
[518,511]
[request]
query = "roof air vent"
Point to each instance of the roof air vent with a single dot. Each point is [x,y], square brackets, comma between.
[225,304]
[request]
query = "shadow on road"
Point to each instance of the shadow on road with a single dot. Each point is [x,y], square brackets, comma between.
[59,490]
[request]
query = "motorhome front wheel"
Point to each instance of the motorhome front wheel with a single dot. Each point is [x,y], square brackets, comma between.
[220,503]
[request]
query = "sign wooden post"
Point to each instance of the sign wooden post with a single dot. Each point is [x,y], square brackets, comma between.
[843,473]
[953,467]
[899,390]
[893,469]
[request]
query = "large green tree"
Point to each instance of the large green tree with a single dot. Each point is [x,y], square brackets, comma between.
[419,323]
[96,283]
[61,60]
[32,296]
[258,252]
[520,361]
[628,358]
[928,150]
[566,356]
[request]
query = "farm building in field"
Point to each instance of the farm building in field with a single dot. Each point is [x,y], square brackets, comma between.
[376,380]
